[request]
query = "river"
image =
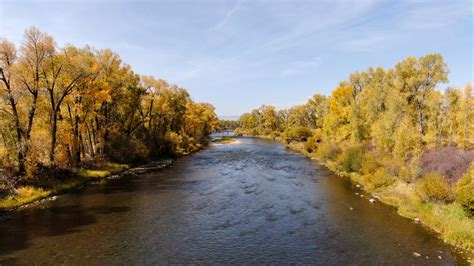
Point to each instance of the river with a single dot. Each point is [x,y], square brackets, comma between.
[248,202]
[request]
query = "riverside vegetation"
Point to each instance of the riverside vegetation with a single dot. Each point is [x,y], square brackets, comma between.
[394,133]
[69,115]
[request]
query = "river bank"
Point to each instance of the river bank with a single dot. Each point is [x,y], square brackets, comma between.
[28,195]
[449,221]
[77,178]
[253,202]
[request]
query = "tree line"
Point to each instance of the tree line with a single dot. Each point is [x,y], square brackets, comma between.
[379,122]
[63,106]
[227,125]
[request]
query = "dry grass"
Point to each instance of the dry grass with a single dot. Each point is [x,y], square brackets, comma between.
[23,195]
[224,140]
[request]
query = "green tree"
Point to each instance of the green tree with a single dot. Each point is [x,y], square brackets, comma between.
[417,79]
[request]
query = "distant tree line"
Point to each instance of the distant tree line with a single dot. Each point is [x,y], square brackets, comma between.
[227,125]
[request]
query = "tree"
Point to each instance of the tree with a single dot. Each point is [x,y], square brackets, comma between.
[90,105]
[317,109]
[452,106]
[269,117]
[81,102]
[298,116]
[8,58]
[465,118]
[21,77]
[62,74]
[418,78]
[337,123]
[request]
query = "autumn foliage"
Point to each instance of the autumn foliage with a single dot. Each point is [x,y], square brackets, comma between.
[63,106]
[387,125]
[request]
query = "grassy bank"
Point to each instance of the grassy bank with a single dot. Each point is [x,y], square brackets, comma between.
[224,140]
[28,194]
[37,189]
[449,220]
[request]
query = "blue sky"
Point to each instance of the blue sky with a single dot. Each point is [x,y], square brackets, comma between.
[239,54]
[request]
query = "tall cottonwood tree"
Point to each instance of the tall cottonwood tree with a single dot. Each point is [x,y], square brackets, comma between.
[418,78]
[90,105]
[22,80]
[8,58]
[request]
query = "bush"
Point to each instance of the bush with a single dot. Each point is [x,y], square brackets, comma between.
[328,151]
[265,131]
[238,132]
[370,164]
[275,134]
[311,145]
[297,134]
[465,191]
[434,186]
[124,149]
[449,162]
[392,165]
[351,159]
[254,132]
[380,178]
[174,143]
[406,174]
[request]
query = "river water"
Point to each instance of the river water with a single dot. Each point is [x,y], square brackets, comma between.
[249,202]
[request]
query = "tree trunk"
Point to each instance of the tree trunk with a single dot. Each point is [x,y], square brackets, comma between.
[81,151]
[76,148]
[19,133]
[54,126]
[420,119]
[91,142]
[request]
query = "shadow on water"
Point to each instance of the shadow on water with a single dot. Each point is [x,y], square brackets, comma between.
[24,225]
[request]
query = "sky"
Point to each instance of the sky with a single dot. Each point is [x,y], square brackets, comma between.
[239,54]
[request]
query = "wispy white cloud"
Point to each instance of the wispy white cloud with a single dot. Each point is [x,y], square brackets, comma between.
[422,15]
[302,67]
[213,47]
[228,15]
[366,42]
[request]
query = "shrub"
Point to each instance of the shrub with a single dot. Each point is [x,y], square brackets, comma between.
[124,149]
[297,134]
[174,143]
[266,131]
[393,166]
[351,159]
[369,164]
[275,134]
[434,186]
[450,162]
[254,132]
[465,191]
[407,174]
[311,145]
[328,151]
[238,132]
[380,178]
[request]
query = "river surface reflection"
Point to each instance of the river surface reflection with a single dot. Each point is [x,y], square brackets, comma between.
[248,202]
